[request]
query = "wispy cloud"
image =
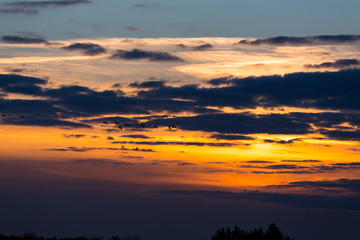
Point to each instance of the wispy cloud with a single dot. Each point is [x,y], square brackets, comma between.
[18,11]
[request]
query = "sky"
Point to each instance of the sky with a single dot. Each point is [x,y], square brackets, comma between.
[173,119]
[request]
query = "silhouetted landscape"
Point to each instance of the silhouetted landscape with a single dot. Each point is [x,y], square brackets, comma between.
[272,233]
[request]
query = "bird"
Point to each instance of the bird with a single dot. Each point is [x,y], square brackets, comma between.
[116,122]
[143,125]
[122,146]
[3,115]
[120,128]
[155,126]
[137,149]
[105,123]
[127,124]
[169,127]
[165,116]
[174,116]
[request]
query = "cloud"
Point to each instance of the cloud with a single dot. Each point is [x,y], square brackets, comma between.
[239,123]
[90,49]
[320,39]
[302,161]
[145,5]
[299,200]
[142,54]
[87,149]
[131,28]
[324,90]
[203,47]
[23,40]
[18,11]
[231,137]
[44,4]
[342,135]
[291,141]
[148,84]
[74,135]
[343,184]
[198,144]
[135,136]
[327,90]
[340,63]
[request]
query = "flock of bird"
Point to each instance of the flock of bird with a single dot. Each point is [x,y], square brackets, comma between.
[118,125]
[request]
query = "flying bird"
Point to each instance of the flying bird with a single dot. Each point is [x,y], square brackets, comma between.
[165,116]
[3,115]
[143,125]
[155,126]
[105,123]
[116,122]
[120,128]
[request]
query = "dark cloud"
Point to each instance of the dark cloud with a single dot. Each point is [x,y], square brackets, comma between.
[291,141]
[203,47]
[302,161]
[74,135]
[342,184]
[135,136]
[320,39]
[240,124]
[90,49]
[231,137]
[142,54]
[18,11]
[342,135]
[199,144]
[328,90]
[87,149]
[340,63]
[259,161]
[325,90]
[298,169]
[23,40]
[42,4]
[145,5]
[220,81]
[148,84]
[299,200]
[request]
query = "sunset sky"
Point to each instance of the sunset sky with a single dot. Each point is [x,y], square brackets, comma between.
[172,119]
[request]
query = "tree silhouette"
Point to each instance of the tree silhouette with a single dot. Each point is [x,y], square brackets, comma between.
[272,233]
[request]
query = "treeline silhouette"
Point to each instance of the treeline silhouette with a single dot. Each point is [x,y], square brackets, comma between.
[272,233]
[33,236]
